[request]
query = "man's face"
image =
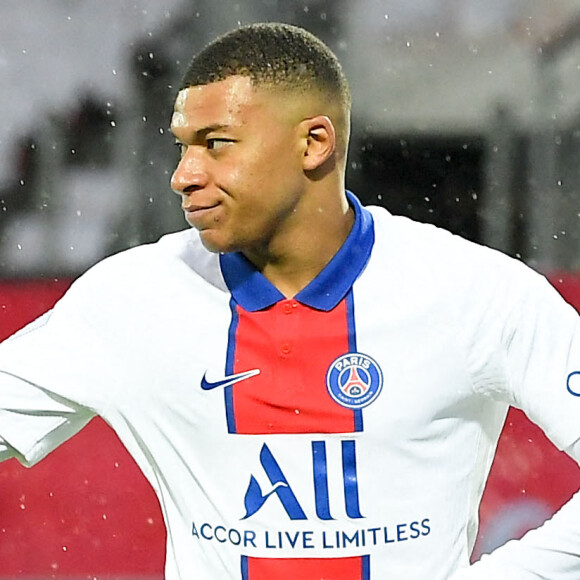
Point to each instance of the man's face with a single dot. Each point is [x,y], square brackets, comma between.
[240,173]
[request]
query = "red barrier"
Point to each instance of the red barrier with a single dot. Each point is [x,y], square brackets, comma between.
[87,512]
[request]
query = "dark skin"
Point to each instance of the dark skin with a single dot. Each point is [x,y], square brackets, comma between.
[262,173]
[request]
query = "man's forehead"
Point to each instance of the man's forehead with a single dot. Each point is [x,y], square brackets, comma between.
[232,101]
[237,101]
[234,90]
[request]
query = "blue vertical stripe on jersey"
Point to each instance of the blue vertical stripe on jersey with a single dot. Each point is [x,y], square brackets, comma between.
[244,568]
[230,359]
[352,347]
[366,568]
[351,321]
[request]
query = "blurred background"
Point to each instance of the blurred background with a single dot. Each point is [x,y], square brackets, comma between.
[466,115]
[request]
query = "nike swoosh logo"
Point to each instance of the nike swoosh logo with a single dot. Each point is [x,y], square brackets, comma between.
[227,381]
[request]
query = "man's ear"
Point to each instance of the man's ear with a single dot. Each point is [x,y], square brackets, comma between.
[320,141]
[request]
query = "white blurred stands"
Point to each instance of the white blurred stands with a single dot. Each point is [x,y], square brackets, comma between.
[465,114]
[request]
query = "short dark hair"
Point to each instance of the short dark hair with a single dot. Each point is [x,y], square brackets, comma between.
[271,54]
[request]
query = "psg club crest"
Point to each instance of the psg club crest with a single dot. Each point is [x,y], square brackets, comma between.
[354,380]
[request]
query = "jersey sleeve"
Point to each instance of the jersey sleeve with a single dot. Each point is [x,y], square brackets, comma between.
[34,422]
[56,374]
[525,349]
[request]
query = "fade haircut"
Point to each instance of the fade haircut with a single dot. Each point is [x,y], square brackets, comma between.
[272,55]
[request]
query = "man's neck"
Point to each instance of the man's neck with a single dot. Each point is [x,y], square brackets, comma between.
[303,257]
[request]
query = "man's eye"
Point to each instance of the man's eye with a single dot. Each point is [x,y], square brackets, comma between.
[215,144]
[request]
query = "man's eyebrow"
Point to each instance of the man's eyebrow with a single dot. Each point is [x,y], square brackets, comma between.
[203,131]
[211,128]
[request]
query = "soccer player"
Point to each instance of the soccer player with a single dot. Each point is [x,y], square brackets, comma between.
[313,388]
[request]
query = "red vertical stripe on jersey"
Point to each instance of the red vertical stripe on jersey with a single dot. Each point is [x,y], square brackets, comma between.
[293,345]
[355,568]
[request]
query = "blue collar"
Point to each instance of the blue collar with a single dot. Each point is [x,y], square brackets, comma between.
[254,292]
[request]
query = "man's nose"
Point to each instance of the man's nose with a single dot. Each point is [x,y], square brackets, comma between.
[190,173]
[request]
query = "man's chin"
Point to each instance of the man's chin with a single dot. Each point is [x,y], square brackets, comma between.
[214,245]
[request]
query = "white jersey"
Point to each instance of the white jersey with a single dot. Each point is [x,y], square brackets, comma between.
[344,434]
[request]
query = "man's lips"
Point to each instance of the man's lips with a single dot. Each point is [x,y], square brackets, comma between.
[191,208]
[198,215]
